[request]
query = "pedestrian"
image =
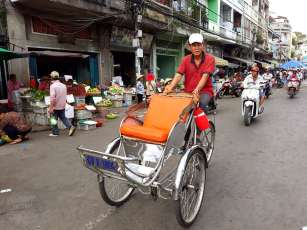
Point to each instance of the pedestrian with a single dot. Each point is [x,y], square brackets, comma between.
[12,85]
[58,93]
[150,83]
[140,88]
[14,126]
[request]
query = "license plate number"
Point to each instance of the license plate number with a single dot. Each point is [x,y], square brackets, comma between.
[100,163]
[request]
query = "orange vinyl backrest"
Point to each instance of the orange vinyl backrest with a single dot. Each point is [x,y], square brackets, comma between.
[164,111]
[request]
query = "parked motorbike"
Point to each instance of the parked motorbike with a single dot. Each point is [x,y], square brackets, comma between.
[230,88]
[250,103]
[293,87]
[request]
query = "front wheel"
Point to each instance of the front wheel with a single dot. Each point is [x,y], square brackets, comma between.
[192,189]
[220,94]
[248,116]
[207,140]
[113,191]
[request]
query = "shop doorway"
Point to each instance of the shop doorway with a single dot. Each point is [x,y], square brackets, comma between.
[124,66]
[77,67]
[3,80]
[83,67]
[166,65]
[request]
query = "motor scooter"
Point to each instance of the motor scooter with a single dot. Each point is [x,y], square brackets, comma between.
[250,102]
[293,87]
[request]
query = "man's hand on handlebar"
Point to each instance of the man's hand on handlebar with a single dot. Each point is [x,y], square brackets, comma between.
[196,96]
[168,89]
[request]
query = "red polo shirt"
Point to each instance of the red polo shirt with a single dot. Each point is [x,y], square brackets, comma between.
[193,74]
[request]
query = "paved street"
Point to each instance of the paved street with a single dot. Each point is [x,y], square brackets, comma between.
[257,179]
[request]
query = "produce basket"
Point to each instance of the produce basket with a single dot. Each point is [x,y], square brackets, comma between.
[117,103]
[83,114]
[87,125]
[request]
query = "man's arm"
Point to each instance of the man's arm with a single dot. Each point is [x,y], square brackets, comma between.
[201,83]
[52,99]
[169,88]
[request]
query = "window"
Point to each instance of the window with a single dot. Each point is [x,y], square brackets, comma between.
[56,28]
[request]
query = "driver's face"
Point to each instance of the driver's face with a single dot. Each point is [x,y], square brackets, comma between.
[254,73]
[197,48]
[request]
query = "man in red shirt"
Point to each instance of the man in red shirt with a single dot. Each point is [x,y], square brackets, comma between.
[197,68]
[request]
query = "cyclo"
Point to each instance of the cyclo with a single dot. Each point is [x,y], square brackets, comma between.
[164,155]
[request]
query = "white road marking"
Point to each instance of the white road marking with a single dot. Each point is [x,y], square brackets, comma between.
[92,224]
[5,190]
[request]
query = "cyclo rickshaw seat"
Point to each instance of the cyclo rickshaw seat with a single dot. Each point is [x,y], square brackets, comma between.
[163,112]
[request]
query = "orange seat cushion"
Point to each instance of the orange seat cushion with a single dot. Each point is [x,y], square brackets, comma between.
[144,133]
[163,112]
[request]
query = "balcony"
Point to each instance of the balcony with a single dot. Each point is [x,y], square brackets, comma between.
[191,11]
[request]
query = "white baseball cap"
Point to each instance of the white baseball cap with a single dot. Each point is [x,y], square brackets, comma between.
[196,38]
[54,75]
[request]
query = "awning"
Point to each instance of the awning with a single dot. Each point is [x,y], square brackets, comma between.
[232,65]
[220,61]
[264,64]
[58,54]
[7,54]
[275,63]
[240,60]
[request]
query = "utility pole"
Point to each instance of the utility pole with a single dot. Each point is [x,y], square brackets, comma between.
[253,44]
[137,8]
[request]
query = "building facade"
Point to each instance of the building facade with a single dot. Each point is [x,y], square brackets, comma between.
[98,45]
[282,44]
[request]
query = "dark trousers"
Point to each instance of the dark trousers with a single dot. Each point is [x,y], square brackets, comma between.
[60,114]
[14,133]
[140,97]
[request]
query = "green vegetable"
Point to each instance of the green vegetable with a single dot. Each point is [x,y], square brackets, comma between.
[111,116]
[116,90]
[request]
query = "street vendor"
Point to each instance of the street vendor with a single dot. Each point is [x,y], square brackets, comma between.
[12,85]
[197,69]
[14,126]
[73,88]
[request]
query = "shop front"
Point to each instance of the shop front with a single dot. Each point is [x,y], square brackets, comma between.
[168,56]
[82,66]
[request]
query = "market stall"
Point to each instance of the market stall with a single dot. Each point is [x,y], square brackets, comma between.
[86,111]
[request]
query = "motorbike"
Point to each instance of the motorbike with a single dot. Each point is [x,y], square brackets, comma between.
[231,88]
[250,103]
[279,83]
[267,88]
[293,87]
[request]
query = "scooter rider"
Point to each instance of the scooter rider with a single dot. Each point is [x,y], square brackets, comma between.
[267,75]
[197,68]
[255,78]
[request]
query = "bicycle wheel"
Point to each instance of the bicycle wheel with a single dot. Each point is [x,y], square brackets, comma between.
[207,140]
[192,189]
[113,191]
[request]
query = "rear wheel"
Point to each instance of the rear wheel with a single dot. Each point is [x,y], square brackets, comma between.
[248,116]
[291,93]
[192,189]
[113,191]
